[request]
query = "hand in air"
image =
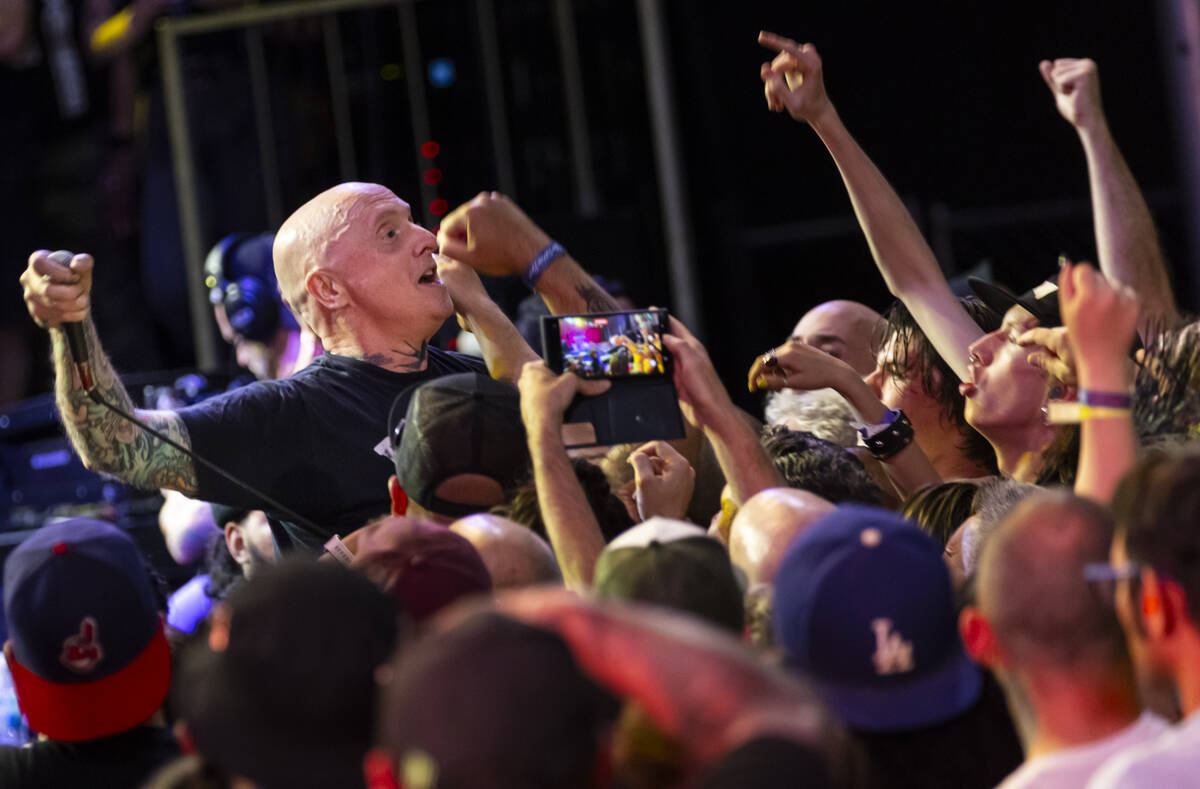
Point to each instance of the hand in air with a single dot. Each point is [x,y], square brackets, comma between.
[796,365]
[793,81]
[1100,317]
[664,480]
[1075,83]
[492,235]
[545,396]
[702,396]
[57,292]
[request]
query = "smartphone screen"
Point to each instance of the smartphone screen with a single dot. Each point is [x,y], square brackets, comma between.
[608,345]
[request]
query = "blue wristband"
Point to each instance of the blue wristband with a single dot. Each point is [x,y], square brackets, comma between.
[541,262]
[1105,399]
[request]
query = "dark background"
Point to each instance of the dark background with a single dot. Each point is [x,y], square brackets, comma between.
[944,96]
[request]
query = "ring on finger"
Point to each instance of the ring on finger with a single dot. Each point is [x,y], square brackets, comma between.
[769,360]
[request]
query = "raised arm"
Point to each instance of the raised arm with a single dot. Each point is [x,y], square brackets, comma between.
[746,466]
[504,349]
[797,365]
[492,235]
[1126,239]
[1101,319]
[57,293]
[794,82]
[571,525]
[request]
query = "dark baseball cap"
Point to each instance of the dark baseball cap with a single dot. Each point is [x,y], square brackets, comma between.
[864,606]
[1041,300]
[458,424]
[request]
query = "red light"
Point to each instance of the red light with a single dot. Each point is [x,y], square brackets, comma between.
[438,207]
[433,176]
[430,149]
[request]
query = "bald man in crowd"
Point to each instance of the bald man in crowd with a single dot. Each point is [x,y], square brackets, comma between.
[1054,641]
[354,267]
[514,555]
[766,524]
[843,329]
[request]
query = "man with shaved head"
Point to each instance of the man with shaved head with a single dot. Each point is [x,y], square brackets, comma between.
[843,329]
[766,524]
[355,267]
[514,555]
[1053,639]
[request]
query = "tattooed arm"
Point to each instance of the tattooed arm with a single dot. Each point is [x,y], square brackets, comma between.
[56,293]
[495,237]
[109,443]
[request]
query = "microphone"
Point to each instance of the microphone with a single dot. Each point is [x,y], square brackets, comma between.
[74,332]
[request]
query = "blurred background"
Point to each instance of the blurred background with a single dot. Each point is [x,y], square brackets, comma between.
[634,131]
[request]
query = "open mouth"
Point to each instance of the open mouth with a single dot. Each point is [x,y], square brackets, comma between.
[430,277]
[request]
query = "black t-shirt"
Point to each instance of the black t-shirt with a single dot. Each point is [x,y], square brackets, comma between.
[123,761]
[315,442]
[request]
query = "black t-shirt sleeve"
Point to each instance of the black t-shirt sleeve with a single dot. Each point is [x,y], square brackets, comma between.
[254,433]
[450,362]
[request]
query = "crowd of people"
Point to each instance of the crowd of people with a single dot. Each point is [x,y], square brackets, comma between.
[963,552]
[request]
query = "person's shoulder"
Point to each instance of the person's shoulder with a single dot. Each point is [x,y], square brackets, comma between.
[455,362]
[1164,760]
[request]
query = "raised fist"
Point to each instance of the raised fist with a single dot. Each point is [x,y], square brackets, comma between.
[1075,83]
[57,287]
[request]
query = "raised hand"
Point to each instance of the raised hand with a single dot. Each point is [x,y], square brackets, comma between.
[1075,83]
[57,292]
[664,480]
[796,365]
[793,81]
[702,396]
[545,396]
[492,235]
[1100,318]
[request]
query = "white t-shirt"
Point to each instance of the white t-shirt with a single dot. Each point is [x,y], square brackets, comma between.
[1072,767]
[1170,760]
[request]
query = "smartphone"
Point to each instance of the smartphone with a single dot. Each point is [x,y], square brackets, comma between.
[616,345]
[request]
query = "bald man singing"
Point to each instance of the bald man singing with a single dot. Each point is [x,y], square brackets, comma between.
[352,265]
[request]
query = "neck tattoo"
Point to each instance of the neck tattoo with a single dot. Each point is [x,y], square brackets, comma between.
[409,359]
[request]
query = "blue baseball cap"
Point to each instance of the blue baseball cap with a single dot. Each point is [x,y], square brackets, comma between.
[88,655]
[863,605]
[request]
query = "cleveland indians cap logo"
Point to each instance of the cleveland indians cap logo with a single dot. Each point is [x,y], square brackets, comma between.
[82,651]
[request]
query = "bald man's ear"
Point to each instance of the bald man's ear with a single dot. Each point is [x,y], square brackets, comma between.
[326,289]
[978,637]
[399,497]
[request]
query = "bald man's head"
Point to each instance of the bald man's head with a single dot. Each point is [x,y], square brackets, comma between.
[306,239]
[844,329]
[514,555]
[766,524]
[1031,584]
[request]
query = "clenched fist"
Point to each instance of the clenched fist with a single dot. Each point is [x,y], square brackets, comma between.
[57,287]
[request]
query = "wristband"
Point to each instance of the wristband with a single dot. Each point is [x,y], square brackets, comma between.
[338,550]
[1065,412]
[541,262]
[889,437]
[1091,397]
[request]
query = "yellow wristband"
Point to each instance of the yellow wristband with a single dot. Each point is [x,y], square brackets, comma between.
[1065,412]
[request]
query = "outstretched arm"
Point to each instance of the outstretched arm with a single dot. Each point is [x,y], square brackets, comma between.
[504,349]
[705,403]
[801,366]
[492,235]
[794,82]
[57,293]
[1126,239]
[571,525]
[1101,319]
